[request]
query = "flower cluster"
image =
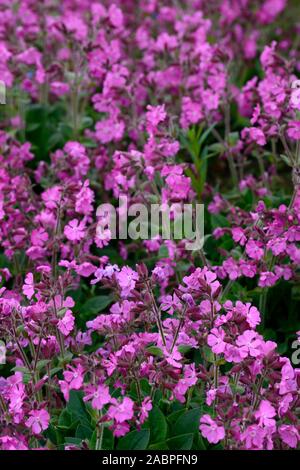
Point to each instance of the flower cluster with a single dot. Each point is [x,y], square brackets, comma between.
[164,103]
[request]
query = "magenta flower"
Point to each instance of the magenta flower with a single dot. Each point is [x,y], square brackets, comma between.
[126,279]
[253,316]
[254,250]
[255,135]
[38,421]
[73,380]
[155,115]
[254,437]
[215,340]
[187,381]
[238,235]
[120,429]
[146,406]
[293,130]
[99,395]
[13,443]
[289,435]
[265,414]
[28,287]
[66,324]
[249,343]
[75,230]
[211,430]
[121,411]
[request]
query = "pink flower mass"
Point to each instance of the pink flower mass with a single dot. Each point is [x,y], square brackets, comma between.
[120,341]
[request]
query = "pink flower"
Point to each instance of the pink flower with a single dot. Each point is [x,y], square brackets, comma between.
[293,130]
[254,250]
[189,379]
[267,279]
[255,135]
[85,269]
[84,200]
[249,343]
[211,396]
[59,88]
[75,230]
[253,316]
[109,130]
[73,380]
[285,404]
[16,395]
[126,279]
[210,430]
[238,235]
[115,16]
[39,237]
[120,429]
[254,437]
[121,411]
[13,443]
[173,357]
[146,406]
[277,246]
[51,197]
[191,112]
[155,115]
[234,354]
[38,421]
[289,435]
[28,287]
[75,25]
[215,340]
[288,380]
[265,413]
[195,280]
[99,395]
[170,303]
[66,324]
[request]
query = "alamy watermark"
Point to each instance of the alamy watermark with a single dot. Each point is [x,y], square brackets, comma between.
[2,353]
[139,221]
[295,96]
[2,92]
[296,354]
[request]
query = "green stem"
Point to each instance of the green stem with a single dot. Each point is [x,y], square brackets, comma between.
[100,431]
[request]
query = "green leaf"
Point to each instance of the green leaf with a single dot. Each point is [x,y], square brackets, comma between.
[73,441]
[41,364]
[83,432]
[155,351]
[65,420]
[159,446]
[45,128]
[53,435]
[218,220]
[135,440]
[158,425]
[184,348]
[189,421]
[182,442]
[107,440]
[95,305]
[26,374]
[173,417]
[198,443]
[77,408]
[163,252]
[206,133]
[208,354]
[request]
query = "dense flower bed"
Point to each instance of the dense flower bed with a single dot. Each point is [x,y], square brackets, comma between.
[144,344]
